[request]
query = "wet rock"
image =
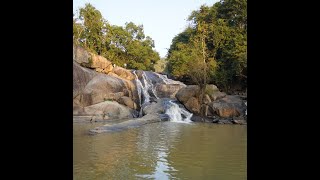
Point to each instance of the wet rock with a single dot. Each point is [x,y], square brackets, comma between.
[239,120]
[132,123]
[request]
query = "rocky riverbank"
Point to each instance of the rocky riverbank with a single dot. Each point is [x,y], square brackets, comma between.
[103,91]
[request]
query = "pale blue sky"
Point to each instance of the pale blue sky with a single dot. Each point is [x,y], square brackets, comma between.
[161,19]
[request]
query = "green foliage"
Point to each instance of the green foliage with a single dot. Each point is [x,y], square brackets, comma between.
[122,45]
[217,35]
[161,66]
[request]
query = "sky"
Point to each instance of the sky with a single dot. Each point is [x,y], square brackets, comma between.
[161,19]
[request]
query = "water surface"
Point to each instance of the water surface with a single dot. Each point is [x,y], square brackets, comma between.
[166,150]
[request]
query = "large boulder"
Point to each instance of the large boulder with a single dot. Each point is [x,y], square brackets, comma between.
[98,62]
[229,106]
[80,55]
[128,102]
[81,77]
[105,110]
[193,105]
[158,107]
[123,73]
[184,94]
[153,108]
[167,90]
[214,102]
[101,88]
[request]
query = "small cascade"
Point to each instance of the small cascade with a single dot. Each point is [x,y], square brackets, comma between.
[177,114]
[246,109]
[146,90]
[148,84]
[164,78]
[139,87]
[142,91]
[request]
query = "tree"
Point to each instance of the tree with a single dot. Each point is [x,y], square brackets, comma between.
[121,45]
[219,32]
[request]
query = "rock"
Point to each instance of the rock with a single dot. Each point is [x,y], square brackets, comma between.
[106,110]
[217,95]
[78,109]
[239,120]
[132,123]
[123,73]
[102,88]
[196,118]
[229,106]
[80,55]
[153,99]
[158,107]
[81,77]
[128,102]
[224,121]
[193,105]
[211,88]
[97,61]
[167,90]
[185,93]
[154,108]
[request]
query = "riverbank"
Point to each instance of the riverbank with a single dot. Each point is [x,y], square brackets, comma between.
[103,92]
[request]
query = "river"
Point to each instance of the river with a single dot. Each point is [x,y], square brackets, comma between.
[165,150]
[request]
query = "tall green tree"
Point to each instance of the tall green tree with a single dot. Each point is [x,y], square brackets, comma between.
[219,32]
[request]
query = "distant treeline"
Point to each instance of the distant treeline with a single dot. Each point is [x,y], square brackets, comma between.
[125,46]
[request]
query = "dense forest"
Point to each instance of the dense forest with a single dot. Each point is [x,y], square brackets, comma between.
[212,49]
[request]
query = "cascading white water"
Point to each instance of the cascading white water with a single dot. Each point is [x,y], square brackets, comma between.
[142,90]
[164,78]
[246,109]
[148,84]
[139,87]
[175,113]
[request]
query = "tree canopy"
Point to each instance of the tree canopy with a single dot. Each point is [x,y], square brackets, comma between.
[216,36]
[124,46]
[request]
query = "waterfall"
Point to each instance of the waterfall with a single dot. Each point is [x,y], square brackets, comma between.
[175,113]
[246,106]
[141,89]
[148,84]
[146,90]
[164,78]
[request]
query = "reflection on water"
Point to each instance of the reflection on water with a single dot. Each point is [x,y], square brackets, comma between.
[164,150]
